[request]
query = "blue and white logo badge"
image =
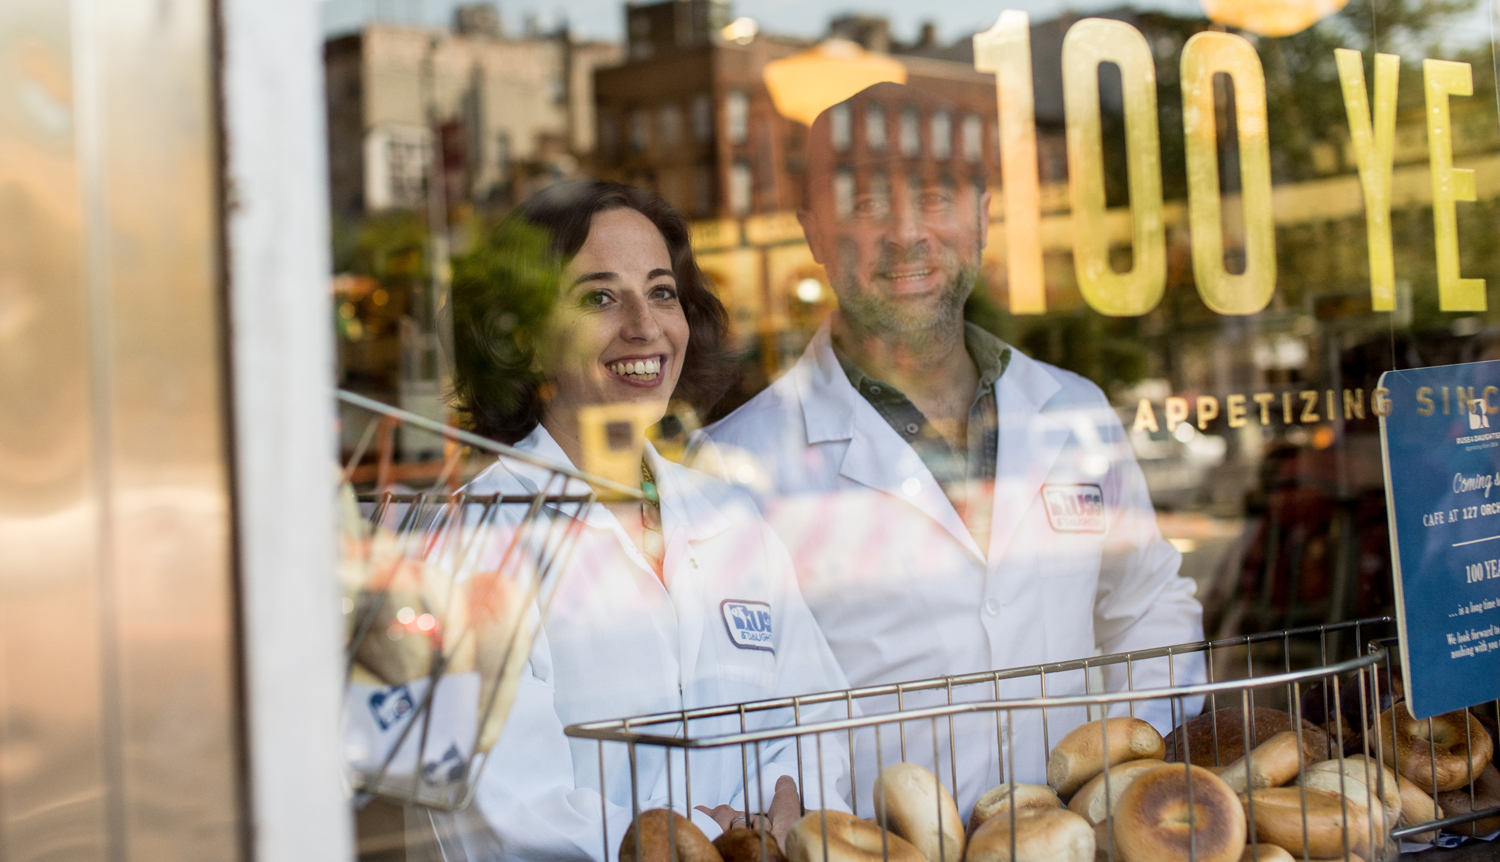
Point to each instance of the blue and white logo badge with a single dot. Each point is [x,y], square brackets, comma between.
[390,705]
[1074,508]
[749,624]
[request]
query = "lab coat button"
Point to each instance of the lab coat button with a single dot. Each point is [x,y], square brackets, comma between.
[992,606]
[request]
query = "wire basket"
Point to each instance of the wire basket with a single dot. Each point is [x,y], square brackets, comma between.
[1324,686]
[444,593]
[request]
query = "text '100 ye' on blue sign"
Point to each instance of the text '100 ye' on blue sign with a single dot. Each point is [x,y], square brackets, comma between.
[1440,444]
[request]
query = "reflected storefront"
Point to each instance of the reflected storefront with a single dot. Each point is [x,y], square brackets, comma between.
[465,432]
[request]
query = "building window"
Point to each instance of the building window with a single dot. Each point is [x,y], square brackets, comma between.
[671,125]
[741,185]
[911,133]
[640,131]
[843,193]
[973,137]
[737,116]
[840,127]
[397,162]
[703,189]
[875,127]
[703,118]
[942,135]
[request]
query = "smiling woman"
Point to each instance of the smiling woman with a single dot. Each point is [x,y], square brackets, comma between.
[586,294]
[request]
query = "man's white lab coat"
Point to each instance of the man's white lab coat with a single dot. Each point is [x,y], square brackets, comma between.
[1076,564]
[617,643]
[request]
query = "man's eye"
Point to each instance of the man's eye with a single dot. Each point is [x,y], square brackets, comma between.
[936,200]
[870,207]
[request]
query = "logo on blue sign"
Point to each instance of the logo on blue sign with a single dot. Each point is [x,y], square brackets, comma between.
[748,624]
[390,705]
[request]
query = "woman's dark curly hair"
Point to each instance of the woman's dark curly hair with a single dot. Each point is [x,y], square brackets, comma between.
[504,292]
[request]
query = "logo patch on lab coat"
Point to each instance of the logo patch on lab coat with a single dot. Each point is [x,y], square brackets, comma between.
[748,623]
[1074,508]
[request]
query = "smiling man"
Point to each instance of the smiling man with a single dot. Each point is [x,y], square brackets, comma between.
[952,505]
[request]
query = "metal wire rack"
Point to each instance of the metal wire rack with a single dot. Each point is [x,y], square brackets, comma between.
[444,592]
[1331,682]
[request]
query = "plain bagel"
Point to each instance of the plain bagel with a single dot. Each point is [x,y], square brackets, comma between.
[849,839]
[1002,798]
[1092,804]
[1089,748]
[1418,808]
[1278,814]
[1272,764]
[1365,781]
[1041,835]
[1458,750]
[1153,822]
[662,832]
[913,803]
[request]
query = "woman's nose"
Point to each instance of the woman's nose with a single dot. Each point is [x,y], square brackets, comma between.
[640,322]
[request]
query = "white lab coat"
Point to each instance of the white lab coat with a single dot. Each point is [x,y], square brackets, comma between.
[902,591]
[617,643]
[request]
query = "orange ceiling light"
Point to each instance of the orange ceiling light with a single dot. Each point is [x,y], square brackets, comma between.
[804,85]
[1270,17]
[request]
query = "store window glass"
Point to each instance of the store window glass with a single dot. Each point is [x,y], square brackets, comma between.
[1170,250]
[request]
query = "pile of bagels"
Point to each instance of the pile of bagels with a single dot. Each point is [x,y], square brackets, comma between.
[1117,790]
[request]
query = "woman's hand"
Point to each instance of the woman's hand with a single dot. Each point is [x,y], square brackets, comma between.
[786,808]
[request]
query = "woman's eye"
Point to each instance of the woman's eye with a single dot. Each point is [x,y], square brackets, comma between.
[596,299]
[664,292]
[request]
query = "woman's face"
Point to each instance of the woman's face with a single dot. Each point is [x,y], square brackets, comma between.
[618,333]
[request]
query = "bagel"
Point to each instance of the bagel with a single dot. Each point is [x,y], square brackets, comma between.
[1486,795]
[663,831]
[1265,853]
[913,803]
[1418,808]
[849,839]
[1022,796]
[1271,764]
[748,845]
[1365,781]
[1093,805]
[1218,738]
[1041,835]
[1082,754]
[1278,814]
[1450,759]
[1154,822]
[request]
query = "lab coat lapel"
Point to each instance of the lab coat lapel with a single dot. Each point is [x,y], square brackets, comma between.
[1029,443]
[877,456]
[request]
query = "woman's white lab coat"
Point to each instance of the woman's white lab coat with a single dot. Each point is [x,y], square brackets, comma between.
[618,643]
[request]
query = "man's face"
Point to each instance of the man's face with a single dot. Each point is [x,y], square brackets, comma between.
[901,248]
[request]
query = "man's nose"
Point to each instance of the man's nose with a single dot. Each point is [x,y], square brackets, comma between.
[906,226]
[640,322]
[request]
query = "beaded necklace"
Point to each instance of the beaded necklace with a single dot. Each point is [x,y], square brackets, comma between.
[654,544]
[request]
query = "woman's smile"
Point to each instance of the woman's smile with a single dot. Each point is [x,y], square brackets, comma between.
[637,370]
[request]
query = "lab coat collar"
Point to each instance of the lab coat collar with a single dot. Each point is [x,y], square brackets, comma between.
[877,457]
[685,506]
[1028,443]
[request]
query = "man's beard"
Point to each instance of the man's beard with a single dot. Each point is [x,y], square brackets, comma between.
[880,316]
